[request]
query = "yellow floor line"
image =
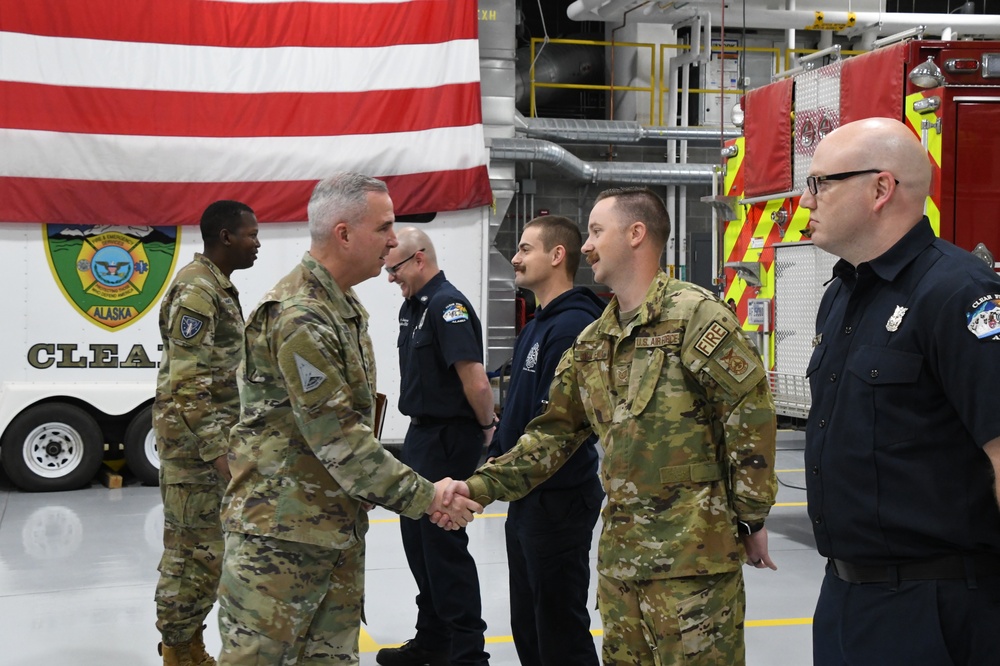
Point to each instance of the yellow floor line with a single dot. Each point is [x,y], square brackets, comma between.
[789,504]
[782,622]
[368,644]
[783,471]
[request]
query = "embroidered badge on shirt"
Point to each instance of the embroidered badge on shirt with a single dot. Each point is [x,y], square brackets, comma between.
[896,319]
[711,338]
[984,316]
[190,326]
[532,360]
[736,364]
[455,313]
[817,340]
[310,376]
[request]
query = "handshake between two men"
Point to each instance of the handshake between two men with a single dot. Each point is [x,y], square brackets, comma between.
[452,509]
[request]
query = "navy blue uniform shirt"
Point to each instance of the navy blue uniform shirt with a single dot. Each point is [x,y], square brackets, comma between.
[437,328]
[536,354]
[903,399]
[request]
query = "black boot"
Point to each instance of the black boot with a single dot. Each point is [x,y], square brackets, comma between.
[411,654]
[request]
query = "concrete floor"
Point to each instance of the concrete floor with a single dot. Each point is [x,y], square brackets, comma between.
[78,569]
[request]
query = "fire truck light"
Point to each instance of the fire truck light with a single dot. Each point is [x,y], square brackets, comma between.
[927,74]
[737,115]
[961,65]
[991,65]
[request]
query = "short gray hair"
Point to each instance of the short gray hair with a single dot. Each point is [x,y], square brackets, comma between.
[343,197]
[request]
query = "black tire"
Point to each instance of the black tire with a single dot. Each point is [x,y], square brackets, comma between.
[140,448]
[52,447]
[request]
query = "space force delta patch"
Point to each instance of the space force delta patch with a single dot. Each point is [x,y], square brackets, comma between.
[310,376]
[983,318]
[455,313]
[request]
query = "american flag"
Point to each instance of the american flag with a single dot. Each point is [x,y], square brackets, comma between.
[144,111]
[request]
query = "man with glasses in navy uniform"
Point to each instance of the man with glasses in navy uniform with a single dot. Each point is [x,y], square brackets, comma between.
[903,438]
[447,395]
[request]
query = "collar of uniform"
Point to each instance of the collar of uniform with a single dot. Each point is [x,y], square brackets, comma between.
[891,263]
[223,281]
[428,289]
[347,303]
[649,309]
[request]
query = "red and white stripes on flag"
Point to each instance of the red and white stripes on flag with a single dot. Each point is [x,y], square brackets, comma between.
[145,111]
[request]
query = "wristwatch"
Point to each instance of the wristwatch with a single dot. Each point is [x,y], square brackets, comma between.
[492,424]
[746,529]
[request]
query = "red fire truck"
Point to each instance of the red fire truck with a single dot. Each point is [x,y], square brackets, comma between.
[947,92]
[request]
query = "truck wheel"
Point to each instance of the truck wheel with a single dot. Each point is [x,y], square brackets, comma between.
[52,447]
[140,448]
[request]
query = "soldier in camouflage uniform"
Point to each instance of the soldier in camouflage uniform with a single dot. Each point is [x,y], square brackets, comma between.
[304,457]
[681,403]
[197,403]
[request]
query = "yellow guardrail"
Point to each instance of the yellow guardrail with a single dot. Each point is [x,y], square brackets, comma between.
[658,67]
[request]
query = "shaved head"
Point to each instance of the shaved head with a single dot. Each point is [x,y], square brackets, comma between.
[412,239]
[879,176]
[884,143]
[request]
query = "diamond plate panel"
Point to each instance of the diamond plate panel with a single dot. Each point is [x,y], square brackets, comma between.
[797,293]
[817,113]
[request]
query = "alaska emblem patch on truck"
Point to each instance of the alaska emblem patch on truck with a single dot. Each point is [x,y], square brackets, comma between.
[111,275]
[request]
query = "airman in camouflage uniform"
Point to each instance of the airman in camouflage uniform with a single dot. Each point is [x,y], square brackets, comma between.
[304,457]
[197,402]
[681,403]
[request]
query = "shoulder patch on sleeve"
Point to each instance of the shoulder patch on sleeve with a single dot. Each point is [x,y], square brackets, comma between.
[736,363]
[310,376]
[455,313]
[983,317]
[308,373]
[711,338]
[189,326]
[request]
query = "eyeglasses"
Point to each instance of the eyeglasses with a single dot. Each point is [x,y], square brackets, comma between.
[812,182]
[391,270]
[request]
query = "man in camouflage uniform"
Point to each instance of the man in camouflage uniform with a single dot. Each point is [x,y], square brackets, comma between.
[304,456]
[680,401]
[197,403]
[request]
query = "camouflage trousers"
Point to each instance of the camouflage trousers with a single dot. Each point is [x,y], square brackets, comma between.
[283,603]
[694,621]
[191,561]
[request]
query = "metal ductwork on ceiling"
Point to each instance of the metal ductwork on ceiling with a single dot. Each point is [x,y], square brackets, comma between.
[986,25]
[635,173]
[573,130]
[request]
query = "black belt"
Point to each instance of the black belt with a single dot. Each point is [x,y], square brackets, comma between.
[436,421]
[940,568]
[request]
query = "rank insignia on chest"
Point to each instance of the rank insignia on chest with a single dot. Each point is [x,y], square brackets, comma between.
[621,375]
[896,319]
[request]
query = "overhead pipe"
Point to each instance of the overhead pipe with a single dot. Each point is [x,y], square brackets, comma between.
[961,24]
[633,173]
[575,130]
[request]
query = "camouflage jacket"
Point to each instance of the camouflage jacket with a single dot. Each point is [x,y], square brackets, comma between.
[197,400]
[304,456]
[682,405]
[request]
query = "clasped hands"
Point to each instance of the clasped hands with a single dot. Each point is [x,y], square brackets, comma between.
[452,509]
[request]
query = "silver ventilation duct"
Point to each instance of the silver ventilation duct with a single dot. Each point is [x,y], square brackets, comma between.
[633,173]
[571,130]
